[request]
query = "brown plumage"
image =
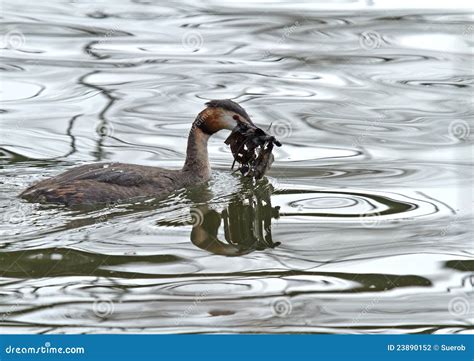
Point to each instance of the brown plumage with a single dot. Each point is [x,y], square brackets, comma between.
[106,183]
[112,182]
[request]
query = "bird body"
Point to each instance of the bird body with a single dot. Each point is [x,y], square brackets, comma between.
[113,182]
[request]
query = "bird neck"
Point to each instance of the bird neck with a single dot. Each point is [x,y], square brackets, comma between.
[197,160]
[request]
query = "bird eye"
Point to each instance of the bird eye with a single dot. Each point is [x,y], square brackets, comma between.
[236,117]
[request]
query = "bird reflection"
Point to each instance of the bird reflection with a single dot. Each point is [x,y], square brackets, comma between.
[246,222]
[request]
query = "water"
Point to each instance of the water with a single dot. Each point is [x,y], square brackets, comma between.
[364,223]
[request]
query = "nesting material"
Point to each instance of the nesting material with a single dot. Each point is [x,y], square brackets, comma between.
[252,149]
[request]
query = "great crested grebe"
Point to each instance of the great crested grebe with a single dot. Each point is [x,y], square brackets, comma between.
[112,182]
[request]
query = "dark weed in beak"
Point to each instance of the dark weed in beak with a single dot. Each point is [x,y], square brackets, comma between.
[252,149]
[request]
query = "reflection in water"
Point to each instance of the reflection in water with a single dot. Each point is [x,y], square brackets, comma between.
[246,219]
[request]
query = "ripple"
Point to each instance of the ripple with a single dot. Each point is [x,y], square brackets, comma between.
[364,217]
[324,203]
[20,90]
[339,206]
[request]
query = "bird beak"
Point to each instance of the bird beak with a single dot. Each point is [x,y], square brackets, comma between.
[246,124]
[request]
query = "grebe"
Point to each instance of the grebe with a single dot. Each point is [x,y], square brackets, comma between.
[113,182]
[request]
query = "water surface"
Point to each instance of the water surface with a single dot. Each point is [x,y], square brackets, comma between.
[363,225]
